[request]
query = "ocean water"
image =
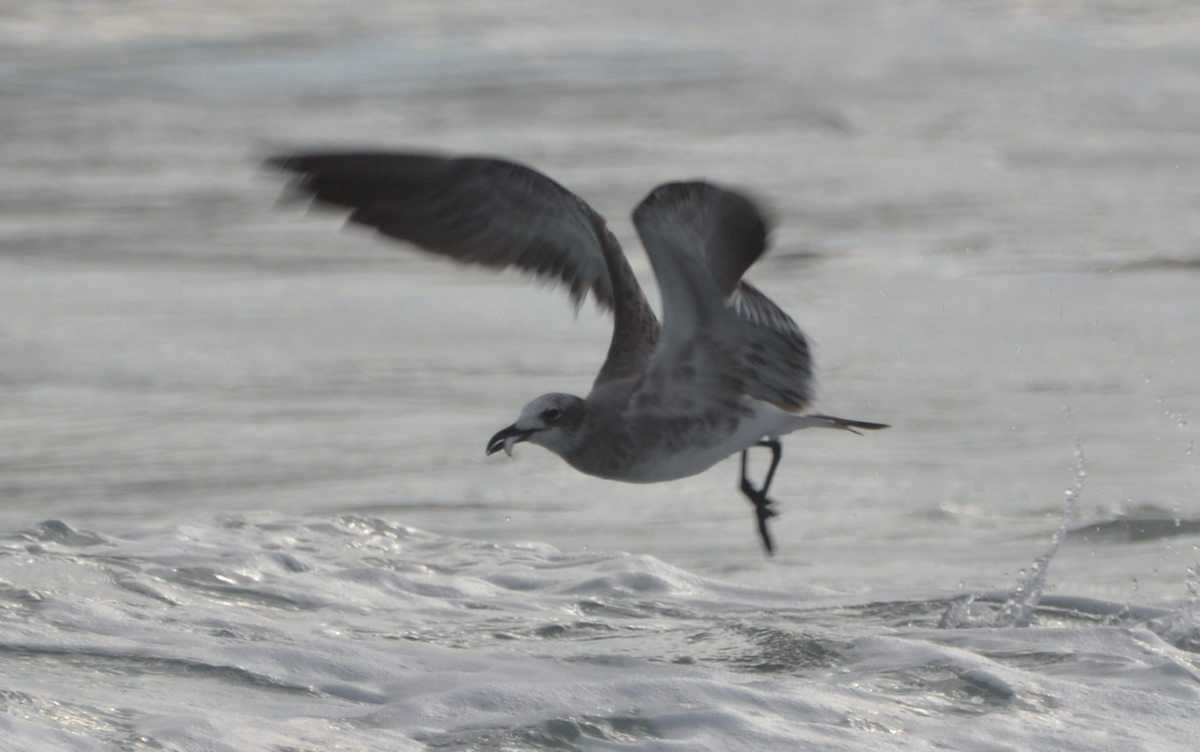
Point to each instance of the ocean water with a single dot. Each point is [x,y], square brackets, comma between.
[244,503]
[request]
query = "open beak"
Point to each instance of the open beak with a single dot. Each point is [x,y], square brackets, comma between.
[506,438]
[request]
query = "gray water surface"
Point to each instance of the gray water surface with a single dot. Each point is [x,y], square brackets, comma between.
[987,221]
[244,502]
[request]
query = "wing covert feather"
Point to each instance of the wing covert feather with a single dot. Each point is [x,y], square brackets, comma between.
[722,338]
[489,212]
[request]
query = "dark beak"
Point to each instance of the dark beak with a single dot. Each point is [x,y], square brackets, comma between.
[506,438]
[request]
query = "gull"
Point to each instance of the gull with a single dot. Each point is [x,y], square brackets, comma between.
[727,370]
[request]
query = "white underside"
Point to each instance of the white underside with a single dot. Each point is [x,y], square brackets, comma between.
[767,421]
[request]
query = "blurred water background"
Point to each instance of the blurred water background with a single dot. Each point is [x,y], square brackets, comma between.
[215,412]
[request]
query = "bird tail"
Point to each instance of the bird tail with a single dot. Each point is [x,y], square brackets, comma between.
[817,420]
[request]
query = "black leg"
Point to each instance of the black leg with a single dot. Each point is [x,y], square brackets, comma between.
[758,496]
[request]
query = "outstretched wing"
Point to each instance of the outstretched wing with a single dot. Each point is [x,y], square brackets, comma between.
[476,210]
[722,338]
[493,213]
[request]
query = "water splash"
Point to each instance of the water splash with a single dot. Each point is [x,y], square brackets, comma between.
[1182,627]
[1126,611]
[1018,610]
[958,615]
[1022,601]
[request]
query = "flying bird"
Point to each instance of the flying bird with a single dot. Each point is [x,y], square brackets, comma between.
[726,370]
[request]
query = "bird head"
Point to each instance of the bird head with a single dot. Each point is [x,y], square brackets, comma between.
[551,421]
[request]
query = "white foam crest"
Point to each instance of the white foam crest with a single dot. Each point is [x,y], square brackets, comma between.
[357,632]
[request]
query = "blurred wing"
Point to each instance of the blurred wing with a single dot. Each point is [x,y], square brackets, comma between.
[722,338]
[492,213]
[476,210]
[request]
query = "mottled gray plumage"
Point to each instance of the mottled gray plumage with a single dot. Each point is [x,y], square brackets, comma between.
[726,370]
[493,213]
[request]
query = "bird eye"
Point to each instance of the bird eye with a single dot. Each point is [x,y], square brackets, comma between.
[551,414]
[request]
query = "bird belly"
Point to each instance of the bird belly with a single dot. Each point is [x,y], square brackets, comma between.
[658,453]
[680,464]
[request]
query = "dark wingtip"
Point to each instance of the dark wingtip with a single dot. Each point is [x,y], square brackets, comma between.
[278,162]
[738,227]
[275,156]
